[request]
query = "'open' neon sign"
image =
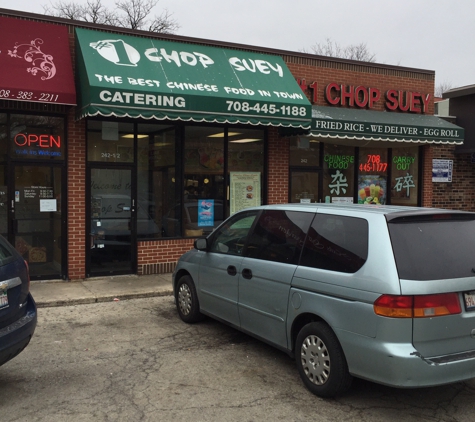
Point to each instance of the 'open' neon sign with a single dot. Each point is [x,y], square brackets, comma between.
[42,141]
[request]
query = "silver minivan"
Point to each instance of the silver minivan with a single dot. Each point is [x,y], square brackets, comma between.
[382,293]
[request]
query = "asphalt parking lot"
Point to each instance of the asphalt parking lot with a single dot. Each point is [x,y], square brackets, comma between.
[135,360]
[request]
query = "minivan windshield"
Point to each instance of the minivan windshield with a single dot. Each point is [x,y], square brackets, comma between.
[434,247]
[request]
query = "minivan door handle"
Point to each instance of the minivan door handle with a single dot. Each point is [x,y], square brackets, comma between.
[232,270]
[247,273]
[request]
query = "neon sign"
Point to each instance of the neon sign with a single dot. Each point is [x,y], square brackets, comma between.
[373,163]
[42,141]
[339,161]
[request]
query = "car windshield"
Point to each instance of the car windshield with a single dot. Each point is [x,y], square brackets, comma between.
[434,247]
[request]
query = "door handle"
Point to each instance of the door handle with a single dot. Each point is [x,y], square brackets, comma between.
[247,273]
[232,270]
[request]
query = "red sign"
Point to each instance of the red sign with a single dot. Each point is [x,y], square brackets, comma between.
[35,62]
[366,97]
[43,141]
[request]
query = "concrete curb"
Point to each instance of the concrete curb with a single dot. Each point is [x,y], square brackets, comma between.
[108,289]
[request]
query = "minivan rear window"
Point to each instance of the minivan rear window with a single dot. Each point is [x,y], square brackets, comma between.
[434,247]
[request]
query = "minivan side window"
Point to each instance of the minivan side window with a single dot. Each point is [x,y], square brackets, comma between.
[231,236]
[279,236]
[336,243]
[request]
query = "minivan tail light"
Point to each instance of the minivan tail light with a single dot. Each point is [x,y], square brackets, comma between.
[423,306]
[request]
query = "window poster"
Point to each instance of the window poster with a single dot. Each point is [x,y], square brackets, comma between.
[205,212]
[245,190]
[372,189]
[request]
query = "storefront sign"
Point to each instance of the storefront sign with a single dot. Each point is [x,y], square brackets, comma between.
[374,163]
[347,123]
[338,161]
[123,75]
[35,62]
[245,190]
[442,171]
[403,162]
[41,145]
[375,129]
[368,97]
[404,184]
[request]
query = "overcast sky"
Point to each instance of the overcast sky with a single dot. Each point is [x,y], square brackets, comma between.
[426,34]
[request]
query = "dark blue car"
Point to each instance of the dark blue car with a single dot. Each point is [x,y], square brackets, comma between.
[18,314]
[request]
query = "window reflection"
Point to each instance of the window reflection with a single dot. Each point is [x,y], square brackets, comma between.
[156,191]
[181,181]
[246,150]
[203,187]
[110,142]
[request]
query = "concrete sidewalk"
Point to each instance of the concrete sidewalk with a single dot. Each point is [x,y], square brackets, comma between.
[100,289]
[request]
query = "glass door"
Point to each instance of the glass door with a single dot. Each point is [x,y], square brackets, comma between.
[111,247]
[304,186]
[37,223]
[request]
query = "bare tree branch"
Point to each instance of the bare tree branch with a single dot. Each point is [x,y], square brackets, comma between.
[330,48]
[134,14]
[64,10]
[441,88]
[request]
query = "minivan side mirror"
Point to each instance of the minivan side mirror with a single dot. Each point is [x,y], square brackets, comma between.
[201,244]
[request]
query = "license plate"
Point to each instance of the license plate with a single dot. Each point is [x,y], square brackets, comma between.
[469,298]
[3,300]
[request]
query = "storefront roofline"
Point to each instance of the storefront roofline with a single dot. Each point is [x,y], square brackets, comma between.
[208,42]
[459,92]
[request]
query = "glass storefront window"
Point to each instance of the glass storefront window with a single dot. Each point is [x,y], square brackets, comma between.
[246,150]
[405,176]
[338,173]
[304,151]
[203,183]
[373,169]
[182,188]
[110,142]
[245,168]
[156,182]
[37,137]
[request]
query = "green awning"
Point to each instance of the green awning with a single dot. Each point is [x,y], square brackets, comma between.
[129,76]
[367,125]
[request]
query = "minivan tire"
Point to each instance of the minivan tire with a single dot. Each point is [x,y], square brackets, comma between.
[187,302]
[320,361]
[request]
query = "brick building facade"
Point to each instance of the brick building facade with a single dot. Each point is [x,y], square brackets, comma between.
[159,253]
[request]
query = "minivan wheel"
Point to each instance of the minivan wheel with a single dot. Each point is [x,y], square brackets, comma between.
[187,300]
[320,361]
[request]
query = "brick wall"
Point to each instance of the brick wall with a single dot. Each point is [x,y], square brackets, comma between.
[76,197]
[161,256]
[460,194]
[323,72]
[278,168]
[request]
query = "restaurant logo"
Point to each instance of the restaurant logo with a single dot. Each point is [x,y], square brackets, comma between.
[117,52]
[42,63]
